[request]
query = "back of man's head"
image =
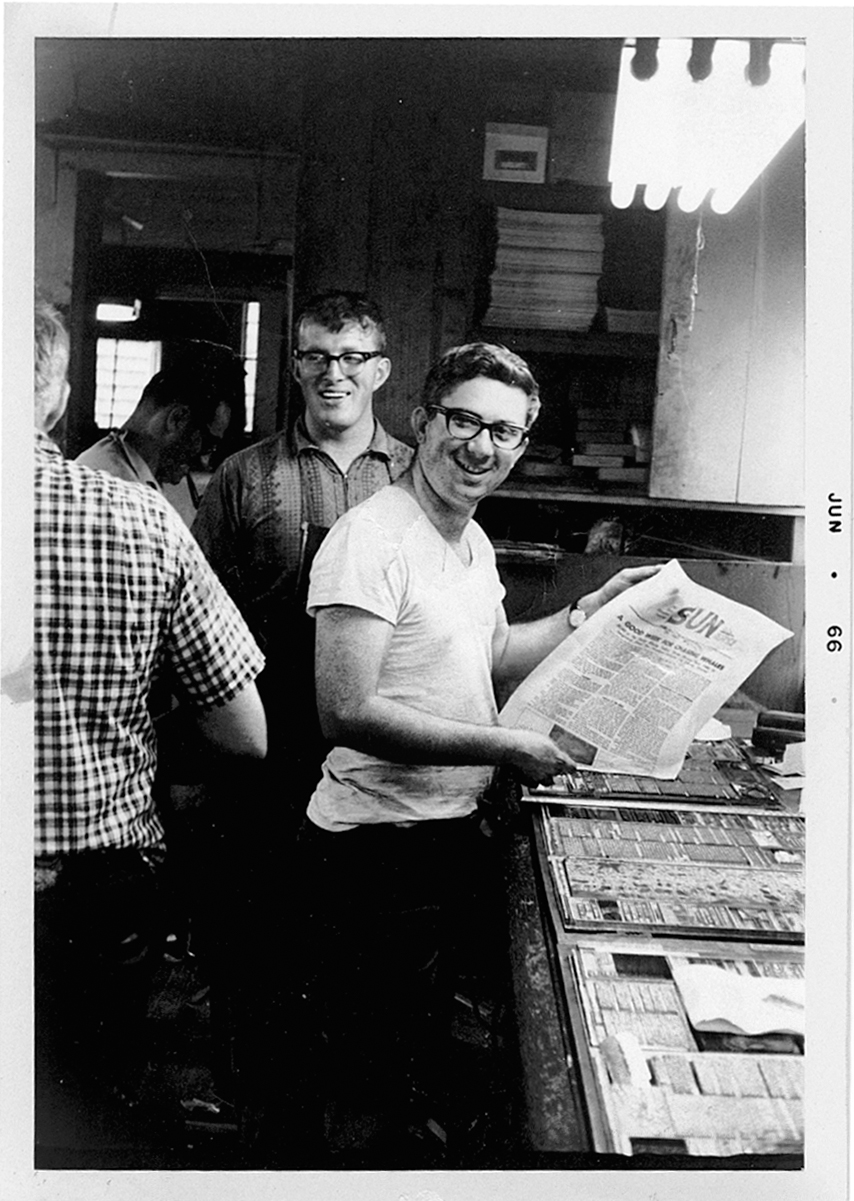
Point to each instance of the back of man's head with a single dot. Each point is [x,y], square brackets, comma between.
[201,375]
[334,310]
[50,365]
[478,360]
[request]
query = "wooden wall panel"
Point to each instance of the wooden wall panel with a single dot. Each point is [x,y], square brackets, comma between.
[249,207]
[388,203]
[423,196]
[772,462]
[55,216]
[702,369]
[405,232]
[729,410]
[333,211]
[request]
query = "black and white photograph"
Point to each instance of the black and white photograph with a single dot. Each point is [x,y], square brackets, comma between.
[436,547]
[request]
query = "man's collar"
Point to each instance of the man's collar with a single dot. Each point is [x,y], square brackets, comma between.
[143,472]
[46,445]
[377,445]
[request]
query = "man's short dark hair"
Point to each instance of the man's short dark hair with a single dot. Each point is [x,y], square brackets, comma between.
[334,310]
[478,360]
[202,375]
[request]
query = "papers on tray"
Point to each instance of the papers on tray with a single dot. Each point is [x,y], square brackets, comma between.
[716,999]
[789,783]
[793,762]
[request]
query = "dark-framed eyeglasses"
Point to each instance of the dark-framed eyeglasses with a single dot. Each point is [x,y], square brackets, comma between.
[314,362]
[465,426]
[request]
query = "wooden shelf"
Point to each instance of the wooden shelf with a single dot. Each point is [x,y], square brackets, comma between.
[569,342]
[552,493]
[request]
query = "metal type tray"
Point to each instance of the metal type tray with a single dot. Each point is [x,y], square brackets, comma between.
[718,773]
[652,1083]
[692,872]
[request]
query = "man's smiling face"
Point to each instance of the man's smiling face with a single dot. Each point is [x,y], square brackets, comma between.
[461,473]
[336,402]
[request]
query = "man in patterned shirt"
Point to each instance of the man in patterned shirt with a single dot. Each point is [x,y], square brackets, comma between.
[267,508]
[122,593]
[261,518]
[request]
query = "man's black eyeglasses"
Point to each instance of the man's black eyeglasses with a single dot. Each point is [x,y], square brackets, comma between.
[466,426]
[313,362]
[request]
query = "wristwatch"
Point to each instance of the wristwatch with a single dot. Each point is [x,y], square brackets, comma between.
[575,615]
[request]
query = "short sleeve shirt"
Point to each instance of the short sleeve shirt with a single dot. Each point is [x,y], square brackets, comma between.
[251,521]
[122,593]
[386,557]
[115,455]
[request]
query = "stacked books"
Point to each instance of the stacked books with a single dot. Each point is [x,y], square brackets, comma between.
[547,269]
[611,444]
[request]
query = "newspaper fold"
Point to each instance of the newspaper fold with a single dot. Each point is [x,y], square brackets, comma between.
[631,687]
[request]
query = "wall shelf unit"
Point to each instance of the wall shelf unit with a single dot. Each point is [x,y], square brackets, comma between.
[559,494]
[559,342]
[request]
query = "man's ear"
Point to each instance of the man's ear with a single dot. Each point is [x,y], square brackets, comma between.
[178,417]
[54,406]
[418,420]
[383,371]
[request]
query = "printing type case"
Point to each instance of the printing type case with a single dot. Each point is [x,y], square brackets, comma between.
[678,922]
[677,871]
[662,1085]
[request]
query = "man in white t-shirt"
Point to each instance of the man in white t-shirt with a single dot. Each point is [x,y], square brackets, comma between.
[412,641]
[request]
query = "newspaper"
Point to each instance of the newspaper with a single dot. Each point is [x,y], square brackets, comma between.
[631,687]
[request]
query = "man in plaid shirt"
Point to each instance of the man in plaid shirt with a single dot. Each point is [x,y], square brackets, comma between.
[122,595]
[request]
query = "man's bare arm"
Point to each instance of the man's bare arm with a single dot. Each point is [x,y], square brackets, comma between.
[350,647]
[239,727]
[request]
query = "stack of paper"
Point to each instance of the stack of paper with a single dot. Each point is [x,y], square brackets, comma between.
[547,270]
[604,443]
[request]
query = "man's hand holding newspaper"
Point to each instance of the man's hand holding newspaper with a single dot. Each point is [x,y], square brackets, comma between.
[632,686]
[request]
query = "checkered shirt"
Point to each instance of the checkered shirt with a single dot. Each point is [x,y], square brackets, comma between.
[122,594]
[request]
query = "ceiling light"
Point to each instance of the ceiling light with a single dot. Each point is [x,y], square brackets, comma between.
[715,133]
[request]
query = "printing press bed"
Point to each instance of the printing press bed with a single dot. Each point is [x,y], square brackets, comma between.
[613,1074]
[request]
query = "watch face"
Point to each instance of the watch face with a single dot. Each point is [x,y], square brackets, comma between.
[576,617]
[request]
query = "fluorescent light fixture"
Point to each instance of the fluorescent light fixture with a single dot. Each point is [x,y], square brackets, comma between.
[118,312]
[717,135]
